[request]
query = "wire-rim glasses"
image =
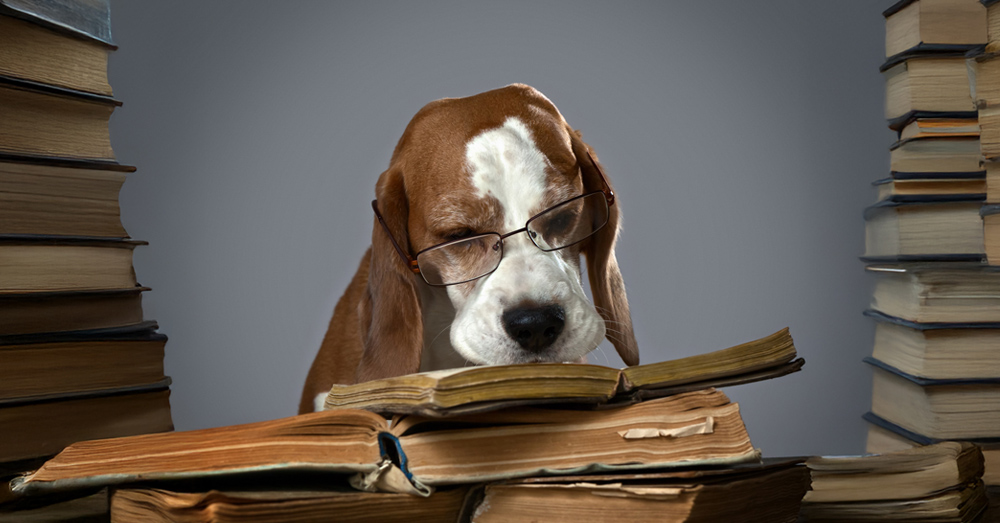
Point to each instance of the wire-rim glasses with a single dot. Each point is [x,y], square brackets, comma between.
[466,259]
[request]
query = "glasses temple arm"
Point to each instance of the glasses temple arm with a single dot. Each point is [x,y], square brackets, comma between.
[410,262]
[609,194]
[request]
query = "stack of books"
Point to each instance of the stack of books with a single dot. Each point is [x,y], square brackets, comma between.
[940,482]
[539,442]
[936,301]
[77,359]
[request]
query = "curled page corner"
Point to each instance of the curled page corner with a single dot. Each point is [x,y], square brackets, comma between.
[389,478]
[703,427]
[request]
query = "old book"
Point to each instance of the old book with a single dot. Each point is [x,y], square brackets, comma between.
[963,505]
[991,232]
[36,264]
[936,228]
[61,198]
[906,474]
[45,121]
[920,128]
[882,439]
[918,187]
[937,350]
[39,366]
[957,408]
[475,389]
[921,83]
[317,505]
[765,494]
[40,54]
[934,483]
[50,312]
[911,23]
[86,19]
[936,155]
[935,293]
[35,429]
[416,453]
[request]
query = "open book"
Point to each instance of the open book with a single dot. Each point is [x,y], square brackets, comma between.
[481,389]
[413,453]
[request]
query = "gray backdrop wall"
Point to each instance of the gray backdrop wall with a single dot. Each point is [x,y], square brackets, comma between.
[742,138]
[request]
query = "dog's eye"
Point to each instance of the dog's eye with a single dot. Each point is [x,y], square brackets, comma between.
[559,223]
[459,234]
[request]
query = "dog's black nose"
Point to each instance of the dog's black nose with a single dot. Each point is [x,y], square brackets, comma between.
[534,328]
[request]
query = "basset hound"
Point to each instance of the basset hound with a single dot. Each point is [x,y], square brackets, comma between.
[479,224]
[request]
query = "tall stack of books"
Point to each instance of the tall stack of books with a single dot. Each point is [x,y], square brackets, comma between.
[936,301]
[536,442]
[77,359]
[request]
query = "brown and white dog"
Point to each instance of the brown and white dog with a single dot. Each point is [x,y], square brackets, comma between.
[485,163]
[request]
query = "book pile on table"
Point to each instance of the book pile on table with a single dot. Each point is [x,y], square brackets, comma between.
[545,442]
[936,301]
[77,359]
[940,482]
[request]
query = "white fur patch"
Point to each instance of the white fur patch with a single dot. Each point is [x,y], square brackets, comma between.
[505,163]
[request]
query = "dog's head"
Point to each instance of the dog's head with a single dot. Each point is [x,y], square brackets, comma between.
[489,163]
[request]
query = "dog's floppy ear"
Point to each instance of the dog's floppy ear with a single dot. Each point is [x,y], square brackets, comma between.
[602,266]
[391,323]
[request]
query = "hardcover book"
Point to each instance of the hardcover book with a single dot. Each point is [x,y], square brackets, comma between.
[911,23]
[937,350]
[957,408]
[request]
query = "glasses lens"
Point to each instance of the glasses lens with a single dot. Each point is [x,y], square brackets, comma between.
[569,222]
[461,260]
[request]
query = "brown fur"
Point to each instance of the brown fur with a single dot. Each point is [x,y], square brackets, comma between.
[377,328]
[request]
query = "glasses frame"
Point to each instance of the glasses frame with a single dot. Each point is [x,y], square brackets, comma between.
[414,267]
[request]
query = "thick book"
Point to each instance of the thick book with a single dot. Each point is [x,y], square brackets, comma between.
[56,199]
[906,474]
[940,482]
[770,492]
[927,81]
[40,366]
[320,503]
[88,19]
[884,436]
[415,453]
[957,408]
[39,54]
[937,292]
[29,313]
[911,23]
[35,428]
[62,263]
[927,230]
[937,350]
[936,155]
[47,121]
[479,389]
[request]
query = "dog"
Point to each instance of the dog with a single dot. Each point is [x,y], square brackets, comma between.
[464,265]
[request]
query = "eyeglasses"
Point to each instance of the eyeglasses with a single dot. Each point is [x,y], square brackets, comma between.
[466,259]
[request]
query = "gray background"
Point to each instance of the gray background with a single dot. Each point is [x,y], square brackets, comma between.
[741,136]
